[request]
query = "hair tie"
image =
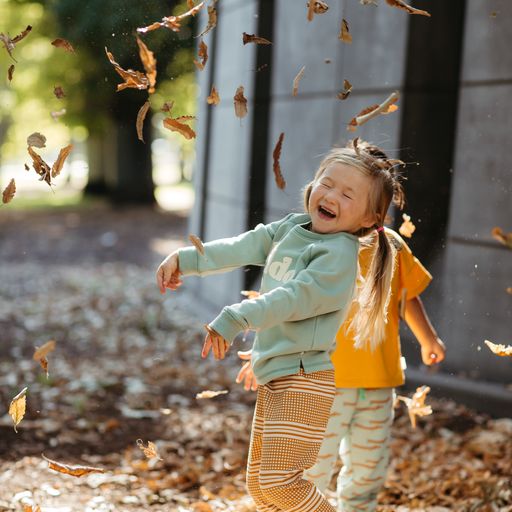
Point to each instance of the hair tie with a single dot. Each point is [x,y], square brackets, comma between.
[379,229]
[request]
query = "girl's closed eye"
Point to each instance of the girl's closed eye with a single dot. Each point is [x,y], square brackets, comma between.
[347,196]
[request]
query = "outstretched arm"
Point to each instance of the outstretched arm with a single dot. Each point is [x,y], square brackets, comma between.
[432,348]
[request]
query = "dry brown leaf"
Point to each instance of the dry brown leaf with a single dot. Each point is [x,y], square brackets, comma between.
[9,191]
[214,98]
[240,103]
[132,79]
[18,407]
[36,139]
[250,294]
[347,89]
[316,7]
[210,394]
[196,241]
[59,92]
[498,349]
[171,22]
[407,228]
[252,38]
[501,236]
[416,404]
[62,43]
[176,126]
[400,4]
[167,106]
[148,60]
[9,43]
[75,470]
[57,113]
[141,115]
[59,163]
[344,34]
[203,55]
[150,451]
[10,72]
[40,166]
[276,154]
[212,19]
[386,107]
[27,168]
[297,79]
[44,350]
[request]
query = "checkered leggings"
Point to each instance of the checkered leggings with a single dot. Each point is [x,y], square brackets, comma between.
[288,428]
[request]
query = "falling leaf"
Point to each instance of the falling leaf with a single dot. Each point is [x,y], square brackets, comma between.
[210,394]
[18,407]
[297,79]
[40,166]
[59,92]
[132,79]
[316,7]
[175,125]
[400,4]
[500,350]
[501,236]
[344,32]
[251,38]
[62,43]
[327,61]
[9,192]
[386,107]
[240,103]
[30,508]
[203,55]
[276,154]
[250,294]
[27,168]
[10,72]
[150,451]
[172,22]
[196,241]
[41,353]
[167,106]
[416,404]
[75,470]
[9,43]
[38,140]
[212,20]
[509,290]
[57,113]
[148,60]
[493,14]
[141,115]
[347,89]
[59,163]
[214,98]
[407,228]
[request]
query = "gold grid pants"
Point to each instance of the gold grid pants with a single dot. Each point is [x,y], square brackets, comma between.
[289,424]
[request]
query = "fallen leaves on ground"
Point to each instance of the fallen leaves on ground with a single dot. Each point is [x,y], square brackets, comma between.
[400,4]
[210,394]
[64,44]
[213,98]
[203,55]
[407,228]
[9,192]
[276,167]
[9,44]
[240,102]
[386,107]
[37,140]
[502,237]
[347,89]
[141,115]
[73,470]
[344,34]
[297,79]
[498,349]
[178,124]
[416,404]
[18,407]
[252,38]
[150,451]
[171,22]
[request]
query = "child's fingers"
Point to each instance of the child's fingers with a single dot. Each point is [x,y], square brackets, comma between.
[241,374]
[160,279]
[254,386]
[207,345]
[245,356]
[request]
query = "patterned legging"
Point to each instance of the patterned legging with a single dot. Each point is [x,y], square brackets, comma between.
[288,428]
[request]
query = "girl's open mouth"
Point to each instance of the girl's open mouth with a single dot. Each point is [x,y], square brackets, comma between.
[326,213]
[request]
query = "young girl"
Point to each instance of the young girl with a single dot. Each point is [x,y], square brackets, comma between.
[309,276]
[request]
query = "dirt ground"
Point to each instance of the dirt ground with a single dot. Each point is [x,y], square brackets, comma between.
[127,367]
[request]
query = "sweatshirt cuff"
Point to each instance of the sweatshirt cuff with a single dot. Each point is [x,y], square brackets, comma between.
[226,325]
[188,261]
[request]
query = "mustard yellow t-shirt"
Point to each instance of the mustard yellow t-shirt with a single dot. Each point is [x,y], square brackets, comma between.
[381,368]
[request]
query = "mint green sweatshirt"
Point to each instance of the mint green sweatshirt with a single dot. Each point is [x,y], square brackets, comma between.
[306,290]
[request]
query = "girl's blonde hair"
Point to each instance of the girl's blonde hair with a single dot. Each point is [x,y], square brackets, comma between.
[372,298]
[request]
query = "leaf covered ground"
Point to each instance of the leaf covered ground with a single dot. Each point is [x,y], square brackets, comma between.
[127,367]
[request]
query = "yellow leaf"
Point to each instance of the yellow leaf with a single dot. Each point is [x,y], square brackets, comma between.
[214,98]
[407,228]
[75,470]
[499,350]
[344,32]
[150,451]
[18,407]
[416,404]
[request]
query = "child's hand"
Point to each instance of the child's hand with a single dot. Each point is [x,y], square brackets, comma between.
[246,374]
[214,341]
[168,273]
[433,353]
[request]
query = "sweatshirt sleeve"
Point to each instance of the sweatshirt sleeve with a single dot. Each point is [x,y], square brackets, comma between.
[250,248]
[324,286]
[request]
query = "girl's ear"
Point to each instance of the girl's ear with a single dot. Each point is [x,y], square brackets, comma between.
[369,221]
